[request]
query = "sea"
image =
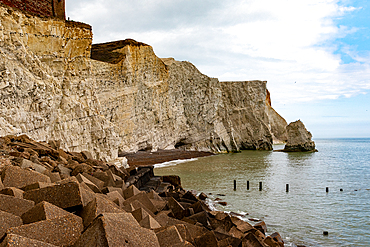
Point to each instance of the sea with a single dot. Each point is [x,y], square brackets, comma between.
[329,190]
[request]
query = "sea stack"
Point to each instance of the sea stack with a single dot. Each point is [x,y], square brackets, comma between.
[299,138]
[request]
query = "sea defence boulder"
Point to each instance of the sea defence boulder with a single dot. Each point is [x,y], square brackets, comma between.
[299,139]
[68,212]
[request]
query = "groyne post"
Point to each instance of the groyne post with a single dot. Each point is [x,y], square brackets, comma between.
[234,184]
[260,186]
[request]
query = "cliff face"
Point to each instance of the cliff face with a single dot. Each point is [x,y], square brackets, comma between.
[126,98]
[46,87]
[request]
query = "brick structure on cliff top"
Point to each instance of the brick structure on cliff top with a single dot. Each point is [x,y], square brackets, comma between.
[48,8]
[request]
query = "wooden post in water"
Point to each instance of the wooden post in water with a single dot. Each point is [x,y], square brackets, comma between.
[260,186]
[247,185]
[287,187]
[234,184]
[327,189]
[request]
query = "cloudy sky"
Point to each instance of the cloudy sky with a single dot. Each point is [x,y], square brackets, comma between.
[315,54]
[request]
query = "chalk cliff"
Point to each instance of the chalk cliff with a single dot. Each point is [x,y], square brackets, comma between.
[119,96]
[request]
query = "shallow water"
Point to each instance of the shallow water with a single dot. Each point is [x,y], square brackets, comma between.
[302,214]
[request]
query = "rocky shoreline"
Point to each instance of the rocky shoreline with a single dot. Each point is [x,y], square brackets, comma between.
[50,197]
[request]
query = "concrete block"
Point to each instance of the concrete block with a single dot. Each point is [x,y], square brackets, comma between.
[144,199]
[61,231]
[169,236]
[8,220]
[130,191]
[12,191]
[14,240]
[44,211]
[96,207]
[15,205]
[99,183]
[116,197]
[14,176]
[111,229]
[65,195]
[82,179]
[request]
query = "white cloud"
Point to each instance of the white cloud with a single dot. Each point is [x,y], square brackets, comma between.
[289,43]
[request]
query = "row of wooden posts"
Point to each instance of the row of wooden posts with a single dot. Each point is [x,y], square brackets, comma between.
[286,187]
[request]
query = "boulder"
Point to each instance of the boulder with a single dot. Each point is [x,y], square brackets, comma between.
[117,229]
[299,139]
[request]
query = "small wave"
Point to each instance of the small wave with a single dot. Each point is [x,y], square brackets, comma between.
[173,163]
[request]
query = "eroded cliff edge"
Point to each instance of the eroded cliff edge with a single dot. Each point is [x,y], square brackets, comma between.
[124,98]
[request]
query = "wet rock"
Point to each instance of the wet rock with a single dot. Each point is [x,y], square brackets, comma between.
[277,238]
[251,240]
[61,231]
[261,226]
[172,179]
[120,229]
[299,139]
[203,196]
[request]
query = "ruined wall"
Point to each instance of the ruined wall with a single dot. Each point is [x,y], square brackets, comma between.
[48,8]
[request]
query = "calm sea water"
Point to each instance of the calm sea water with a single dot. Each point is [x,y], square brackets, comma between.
[302,214]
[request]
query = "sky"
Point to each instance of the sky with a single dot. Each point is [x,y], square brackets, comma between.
[314,54]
